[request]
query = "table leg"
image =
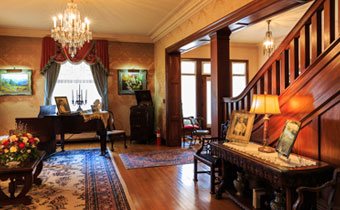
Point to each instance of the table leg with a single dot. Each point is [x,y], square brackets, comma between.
[103,143]
[37,180]
[288,199]
[224,183]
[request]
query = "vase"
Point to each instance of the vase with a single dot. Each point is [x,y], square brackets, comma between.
[239,184]
[13,164]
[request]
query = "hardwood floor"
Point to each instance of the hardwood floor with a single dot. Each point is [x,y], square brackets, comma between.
[163,188]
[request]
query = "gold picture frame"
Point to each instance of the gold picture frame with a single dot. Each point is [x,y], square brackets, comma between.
[240,127]
[62,105]
[287,138]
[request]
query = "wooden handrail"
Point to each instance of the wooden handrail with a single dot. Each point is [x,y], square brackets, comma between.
[299,40]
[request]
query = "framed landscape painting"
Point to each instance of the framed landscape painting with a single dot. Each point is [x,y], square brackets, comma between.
[15,82]
[131,80]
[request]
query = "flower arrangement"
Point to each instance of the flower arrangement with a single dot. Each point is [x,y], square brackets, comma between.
[19,146]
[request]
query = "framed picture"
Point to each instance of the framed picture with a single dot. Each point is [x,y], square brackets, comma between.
[241,127]
[62,104]
[131,80]
[15,82]
[287,138]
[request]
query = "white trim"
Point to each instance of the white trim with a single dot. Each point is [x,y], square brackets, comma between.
[177,16]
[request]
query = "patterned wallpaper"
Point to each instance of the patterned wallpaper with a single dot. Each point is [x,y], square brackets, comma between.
[128,56]
[22,52]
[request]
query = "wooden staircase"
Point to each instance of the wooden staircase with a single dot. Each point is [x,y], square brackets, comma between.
[304,71]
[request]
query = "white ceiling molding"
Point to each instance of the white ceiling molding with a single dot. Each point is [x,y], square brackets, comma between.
[35,33]
[177,16]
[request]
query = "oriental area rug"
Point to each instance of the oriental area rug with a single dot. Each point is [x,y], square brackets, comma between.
[157,158]
[78,179]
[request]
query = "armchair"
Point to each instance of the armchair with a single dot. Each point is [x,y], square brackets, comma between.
[333,192]
[205,156]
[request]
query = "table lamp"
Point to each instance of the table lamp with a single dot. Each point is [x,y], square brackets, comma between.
[265,104]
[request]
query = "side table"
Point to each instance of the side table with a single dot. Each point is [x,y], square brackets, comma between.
[26,174]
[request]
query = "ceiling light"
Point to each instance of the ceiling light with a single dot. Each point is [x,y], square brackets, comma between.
[69,30]
[268,43]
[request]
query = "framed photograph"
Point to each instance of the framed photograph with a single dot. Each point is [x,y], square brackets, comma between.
[287,138]
[131,80]
[241,127]
[62,104]
[15,82]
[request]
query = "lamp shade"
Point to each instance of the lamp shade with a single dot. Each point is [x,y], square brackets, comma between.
[265,104]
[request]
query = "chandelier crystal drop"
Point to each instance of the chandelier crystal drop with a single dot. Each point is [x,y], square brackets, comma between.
[69,30]
[268,43]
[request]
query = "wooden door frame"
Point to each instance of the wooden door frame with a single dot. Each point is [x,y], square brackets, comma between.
[249,14]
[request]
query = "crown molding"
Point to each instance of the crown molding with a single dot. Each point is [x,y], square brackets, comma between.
[177,16]
[37,33]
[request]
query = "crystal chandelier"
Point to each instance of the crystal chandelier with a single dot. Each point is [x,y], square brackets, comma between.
[268,43]
[69,30]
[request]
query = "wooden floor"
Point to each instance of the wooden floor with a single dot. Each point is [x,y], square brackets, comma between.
[163,188]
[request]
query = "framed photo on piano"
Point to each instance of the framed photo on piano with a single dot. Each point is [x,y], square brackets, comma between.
[62,105]
[130,80]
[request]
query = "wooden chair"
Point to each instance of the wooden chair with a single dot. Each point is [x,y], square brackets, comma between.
[204,155]
[192,129]
[113,133]
[188,127]
[330,188]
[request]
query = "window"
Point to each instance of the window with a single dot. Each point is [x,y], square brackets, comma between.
[240,76]
[188,90]
[70,78]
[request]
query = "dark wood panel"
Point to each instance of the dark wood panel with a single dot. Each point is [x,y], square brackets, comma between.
[330,133]
[307,142]
[173,98]
[308,95]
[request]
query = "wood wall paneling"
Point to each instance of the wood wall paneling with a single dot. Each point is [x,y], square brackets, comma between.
[173,95]
[330,133]
[307,142]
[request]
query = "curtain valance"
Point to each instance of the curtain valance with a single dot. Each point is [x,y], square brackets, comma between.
[92,52]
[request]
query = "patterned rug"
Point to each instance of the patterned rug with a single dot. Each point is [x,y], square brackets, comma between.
[157,158]
[78,179]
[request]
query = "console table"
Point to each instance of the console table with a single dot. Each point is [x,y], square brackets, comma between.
[285,179]
[26,174]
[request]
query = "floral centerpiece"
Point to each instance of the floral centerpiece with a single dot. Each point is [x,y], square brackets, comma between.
[18,147]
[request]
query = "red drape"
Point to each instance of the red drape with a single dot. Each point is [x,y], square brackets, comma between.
[92,52]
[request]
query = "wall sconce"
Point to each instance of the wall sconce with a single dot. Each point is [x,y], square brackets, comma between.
[268,43]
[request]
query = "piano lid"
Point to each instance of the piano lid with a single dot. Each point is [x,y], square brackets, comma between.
[143,97]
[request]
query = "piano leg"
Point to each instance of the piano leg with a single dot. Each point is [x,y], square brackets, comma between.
[62,141]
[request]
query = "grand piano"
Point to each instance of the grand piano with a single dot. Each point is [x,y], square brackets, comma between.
[48,126]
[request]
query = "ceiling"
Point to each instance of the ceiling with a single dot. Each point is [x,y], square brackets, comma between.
[126,20]
[280,26]
[132,18]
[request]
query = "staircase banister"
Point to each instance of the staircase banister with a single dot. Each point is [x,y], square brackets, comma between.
[283,46]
